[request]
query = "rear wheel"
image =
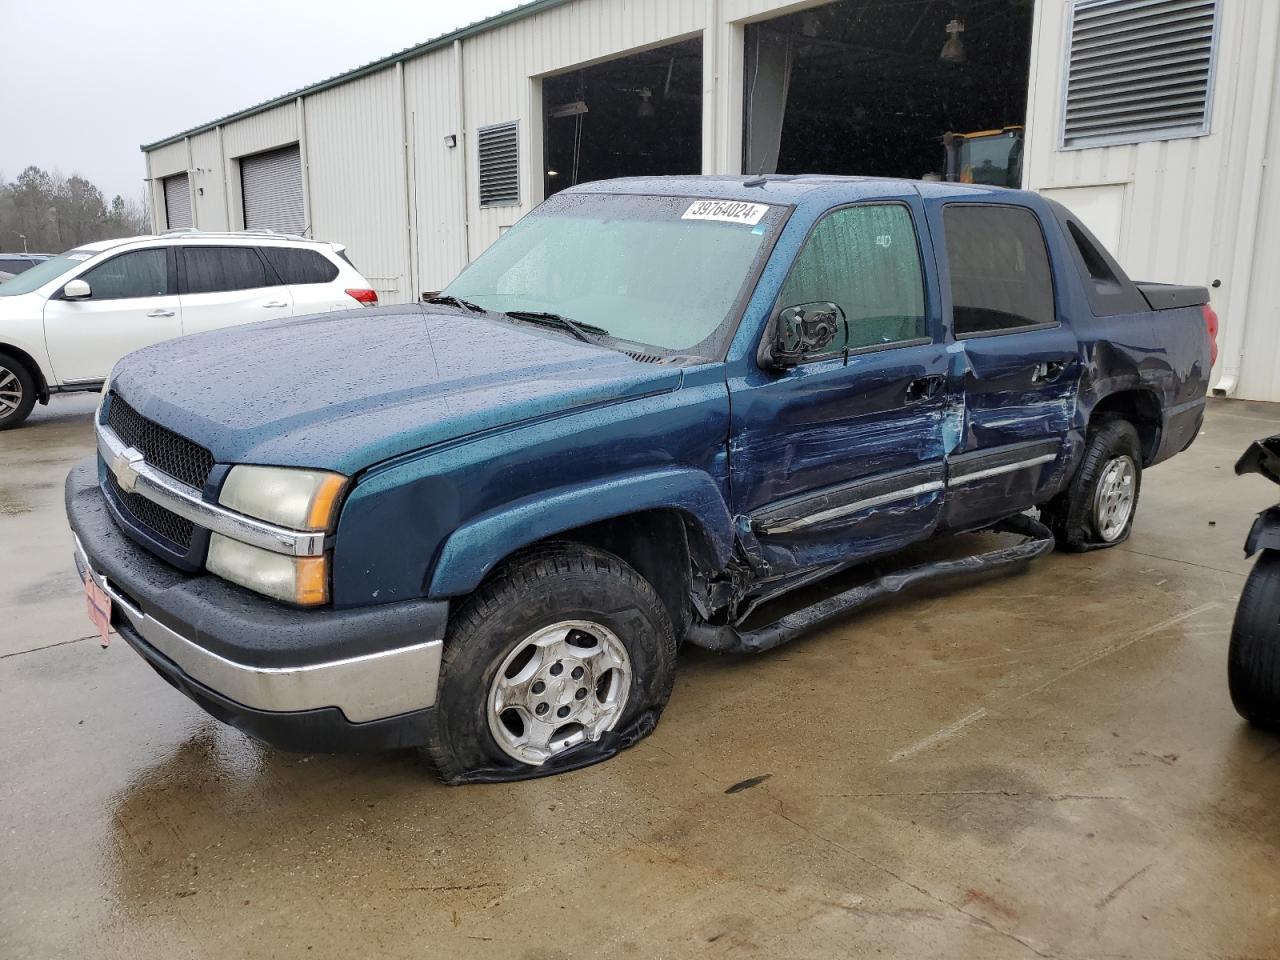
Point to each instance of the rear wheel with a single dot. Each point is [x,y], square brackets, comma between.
[559,660]
[17,392]
[1098,506]
[1253,658]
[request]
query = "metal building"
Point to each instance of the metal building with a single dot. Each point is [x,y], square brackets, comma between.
[1156,121]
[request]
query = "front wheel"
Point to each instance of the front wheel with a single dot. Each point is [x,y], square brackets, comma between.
[559,660]
[1098,506]
[1253,658]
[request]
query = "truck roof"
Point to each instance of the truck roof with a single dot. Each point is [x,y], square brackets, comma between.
[794,189]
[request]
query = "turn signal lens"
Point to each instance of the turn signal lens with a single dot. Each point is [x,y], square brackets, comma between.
[300,580]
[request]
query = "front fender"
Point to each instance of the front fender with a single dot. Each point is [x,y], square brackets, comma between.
[475,548]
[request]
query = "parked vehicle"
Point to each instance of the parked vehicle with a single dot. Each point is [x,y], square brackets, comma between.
[652,405]
[12,264]
[66,321]
[1253,658]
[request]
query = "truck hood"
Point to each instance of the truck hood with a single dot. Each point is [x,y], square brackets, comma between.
[345,391]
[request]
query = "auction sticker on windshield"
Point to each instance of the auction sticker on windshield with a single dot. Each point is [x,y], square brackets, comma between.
[726,211]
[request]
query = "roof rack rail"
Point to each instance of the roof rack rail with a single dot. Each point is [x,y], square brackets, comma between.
[256,232]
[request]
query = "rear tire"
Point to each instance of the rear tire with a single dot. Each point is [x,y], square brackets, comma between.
[17,392]
[1098,506]
[555,622]
[1253,658]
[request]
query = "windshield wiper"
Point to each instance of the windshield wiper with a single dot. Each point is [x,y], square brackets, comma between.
[447,301]
[585,332]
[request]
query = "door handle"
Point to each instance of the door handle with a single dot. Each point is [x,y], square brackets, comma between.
[274,304]
[1048,371]
[925,388]
[160,313]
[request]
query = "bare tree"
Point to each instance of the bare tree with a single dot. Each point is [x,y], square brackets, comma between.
[49,213]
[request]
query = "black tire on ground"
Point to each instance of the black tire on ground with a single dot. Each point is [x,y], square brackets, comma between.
[546,585]
[13,374]
[1071,515]
[1253,658]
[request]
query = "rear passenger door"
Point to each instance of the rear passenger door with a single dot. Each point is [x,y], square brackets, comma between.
[309,277]
[1017,358]
[226,286]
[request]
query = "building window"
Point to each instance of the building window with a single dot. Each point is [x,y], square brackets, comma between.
[1138,70]
[499,157]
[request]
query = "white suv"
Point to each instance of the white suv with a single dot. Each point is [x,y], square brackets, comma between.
[65,322]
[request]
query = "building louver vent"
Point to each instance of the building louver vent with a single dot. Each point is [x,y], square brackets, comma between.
[499,165]
[1139,70]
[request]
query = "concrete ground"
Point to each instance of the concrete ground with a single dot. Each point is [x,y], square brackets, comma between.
[1038,765]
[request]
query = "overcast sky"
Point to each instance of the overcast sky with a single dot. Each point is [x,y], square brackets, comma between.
[86,81]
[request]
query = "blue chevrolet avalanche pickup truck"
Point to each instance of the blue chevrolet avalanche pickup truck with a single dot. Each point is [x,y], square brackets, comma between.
[482,524]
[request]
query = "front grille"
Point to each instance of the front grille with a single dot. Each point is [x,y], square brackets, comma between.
[164,523]
[165,450]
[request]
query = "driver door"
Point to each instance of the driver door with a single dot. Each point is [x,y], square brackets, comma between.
[843,457]
[132,304]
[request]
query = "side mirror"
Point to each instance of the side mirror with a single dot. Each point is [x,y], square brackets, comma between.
[77,290]
[805,331]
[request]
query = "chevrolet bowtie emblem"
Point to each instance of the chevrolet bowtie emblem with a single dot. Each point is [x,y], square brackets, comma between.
[125,467]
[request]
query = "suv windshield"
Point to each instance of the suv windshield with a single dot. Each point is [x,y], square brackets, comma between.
[42,273]
[666,272]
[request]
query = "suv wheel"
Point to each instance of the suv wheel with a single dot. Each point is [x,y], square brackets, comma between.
[1097,508]
[17,392]
[561,659]
[1253,658]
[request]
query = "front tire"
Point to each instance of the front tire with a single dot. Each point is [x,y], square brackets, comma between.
[559,660]
[1253,658]
[1098,506]
[17,392]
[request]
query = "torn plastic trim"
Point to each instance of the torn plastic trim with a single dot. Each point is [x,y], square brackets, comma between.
[728,639]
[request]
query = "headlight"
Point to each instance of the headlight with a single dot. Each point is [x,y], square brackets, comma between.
[298,499]
[300,580]
[290,497]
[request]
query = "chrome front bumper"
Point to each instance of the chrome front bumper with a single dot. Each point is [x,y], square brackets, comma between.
[365,688]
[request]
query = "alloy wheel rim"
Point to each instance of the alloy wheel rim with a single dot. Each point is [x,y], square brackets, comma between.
[10,392]
[1113,499]
[560,686]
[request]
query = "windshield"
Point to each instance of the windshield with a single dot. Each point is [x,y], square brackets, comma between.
[666,272]
[42,273]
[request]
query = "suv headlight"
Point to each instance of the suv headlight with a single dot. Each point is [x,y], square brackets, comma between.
[290,497]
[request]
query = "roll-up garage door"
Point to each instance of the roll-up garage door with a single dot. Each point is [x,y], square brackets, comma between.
[272,187]
[177,202]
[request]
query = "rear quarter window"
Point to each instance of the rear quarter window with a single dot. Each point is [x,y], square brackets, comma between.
[294,266]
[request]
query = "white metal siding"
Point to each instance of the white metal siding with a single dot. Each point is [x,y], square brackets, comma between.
[208,185]
[177,201]
[437,196]
[358,181]
[271,184]
[262,131]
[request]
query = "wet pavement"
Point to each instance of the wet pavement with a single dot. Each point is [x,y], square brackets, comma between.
[1039,764]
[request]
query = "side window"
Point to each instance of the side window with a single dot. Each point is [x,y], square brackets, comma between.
[295,266]
[866,259]
[214,269]
[1000,278]
[141,273]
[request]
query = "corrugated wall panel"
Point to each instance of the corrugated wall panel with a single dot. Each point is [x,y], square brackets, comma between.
[262,131]
[436,182]
[1189,203]
[357,178]
[208,184]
